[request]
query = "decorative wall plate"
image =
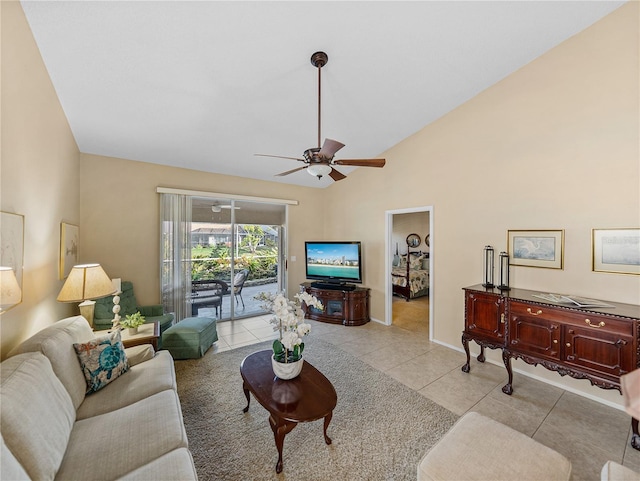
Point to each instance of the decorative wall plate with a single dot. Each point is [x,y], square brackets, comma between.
[413,240]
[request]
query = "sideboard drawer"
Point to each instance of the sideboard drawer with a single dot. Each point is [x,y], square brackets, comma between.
[590,320]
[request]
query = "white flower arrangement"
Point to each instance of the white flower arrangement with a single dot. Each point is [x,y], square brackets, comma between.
[288,319]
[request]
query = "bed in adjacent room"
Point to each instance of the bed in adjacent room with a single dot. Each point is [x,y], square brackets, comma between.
[410,277]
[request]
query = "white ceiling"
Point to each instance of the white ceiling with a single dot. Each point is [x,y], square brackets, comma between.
[206,84]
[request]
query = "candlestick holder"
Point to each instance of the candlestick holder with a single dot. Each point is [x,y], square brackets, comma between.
[504,272]
[488,267]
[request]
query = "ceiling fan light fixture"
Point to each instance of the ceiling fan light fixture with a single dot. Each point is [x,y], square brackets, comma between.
[319,160]
[318,170]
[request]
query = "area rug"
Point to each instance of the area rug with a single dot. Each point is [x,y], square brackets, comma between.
[380,428]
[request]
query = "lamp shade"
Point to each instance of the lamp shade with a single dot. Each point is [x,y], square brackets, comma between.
[10,293]
[86,281]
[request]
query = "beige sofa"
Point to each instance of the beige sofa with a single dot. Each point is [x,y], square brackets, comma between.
[130,429]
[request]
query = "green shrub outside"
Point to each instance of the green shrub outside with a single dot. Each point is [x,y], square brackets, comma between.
[215,262]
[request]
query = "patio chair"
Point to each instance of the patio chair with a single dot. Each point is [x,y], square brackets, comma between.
[208,293]
[238,283]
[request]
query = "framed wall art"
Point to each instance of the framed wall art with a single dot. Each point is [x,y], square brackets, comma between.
[69,241]
[616,250]
[536,248]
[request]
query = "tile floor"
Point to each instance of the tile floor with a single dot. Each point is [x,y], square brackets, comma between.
[585,431]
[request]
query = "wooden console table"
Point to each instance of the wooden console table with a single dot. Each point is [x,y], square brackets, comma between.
[347,307]
[597,343]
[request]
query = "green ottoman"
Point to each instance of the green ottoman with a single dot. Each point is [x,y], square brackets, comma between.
[190,338]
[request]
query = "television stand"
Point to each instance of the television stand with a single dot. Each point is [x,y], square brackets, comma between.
[333,286]
[348,306]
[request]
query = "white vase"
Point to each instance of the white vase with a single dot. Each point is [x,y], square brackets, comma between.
[286,370]
[133,330]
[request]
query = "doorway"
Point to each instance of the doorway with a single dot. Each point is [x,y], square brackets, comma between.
[238,243]
[218,253]
[409,238]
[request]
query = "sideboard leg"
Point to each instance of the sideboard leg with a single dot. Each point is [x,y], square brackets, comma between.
[465,344]
[635,437]
[481,357]
[506,358]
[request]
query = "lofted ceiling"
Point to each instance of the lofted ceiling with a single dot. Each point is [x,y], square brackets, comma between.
[207,84]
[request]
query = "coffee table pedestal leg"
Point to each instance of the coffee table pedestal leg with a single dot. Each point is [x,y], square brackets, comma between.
[246,393]
[280,429]
[327,420]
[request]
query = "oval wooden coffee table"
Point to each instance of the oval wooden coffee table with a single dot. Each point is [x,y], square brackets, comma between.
[308,397]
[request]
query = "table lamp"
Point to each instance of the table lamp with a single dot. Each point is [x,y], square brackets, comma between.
[10,293]
[85,283]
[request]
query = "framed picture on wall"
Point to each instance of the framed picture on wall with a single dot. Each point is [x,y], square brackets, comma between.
[616,250]
[536,248]
[69,241]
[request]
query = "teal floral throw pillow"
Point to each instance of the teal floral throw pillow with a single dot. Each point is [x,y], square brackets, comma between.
[102,360]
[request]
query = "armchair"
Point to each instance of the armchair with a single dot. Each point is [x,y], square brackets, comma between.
[103,316]
[630,384]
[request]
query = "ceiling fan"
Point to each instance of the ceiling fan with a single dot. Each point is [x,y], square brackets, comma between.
[216,208]
[318,160]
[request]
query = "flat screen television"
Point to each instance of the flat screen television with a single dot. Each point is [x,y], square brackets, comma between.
[334,262]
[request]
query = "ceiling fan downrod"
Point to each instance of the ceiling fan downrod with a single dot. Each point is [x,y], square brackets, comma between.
[319,60]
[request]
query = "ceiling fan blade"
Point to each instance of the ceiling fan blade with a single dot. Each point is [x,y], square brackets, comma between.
[335,175]
[279,157]
[329,148]
[361,162]
[282,174]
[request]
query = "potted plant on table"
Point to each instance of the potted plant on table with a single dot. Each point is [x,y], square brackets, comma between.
[288,320]
[132,322]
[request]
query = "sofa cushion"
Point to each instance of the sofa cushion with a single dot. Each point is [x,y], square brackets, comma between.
[138,354]
[178,464]
[10,468]
[56,342]
[102,360]
[37,414]
[113,444]
[141,381]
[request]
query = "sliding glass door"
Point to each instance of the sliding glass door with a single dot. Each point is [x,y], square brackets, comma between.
[235,252]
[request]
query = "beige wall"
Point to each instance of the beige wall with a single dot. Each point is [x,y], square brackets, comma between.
[120,214]
[39,174]
[553,146]
[409,223]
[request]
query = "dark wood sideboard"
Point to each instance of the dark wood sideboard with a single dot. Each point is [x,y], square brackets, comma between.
[347,307]
[597,344]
